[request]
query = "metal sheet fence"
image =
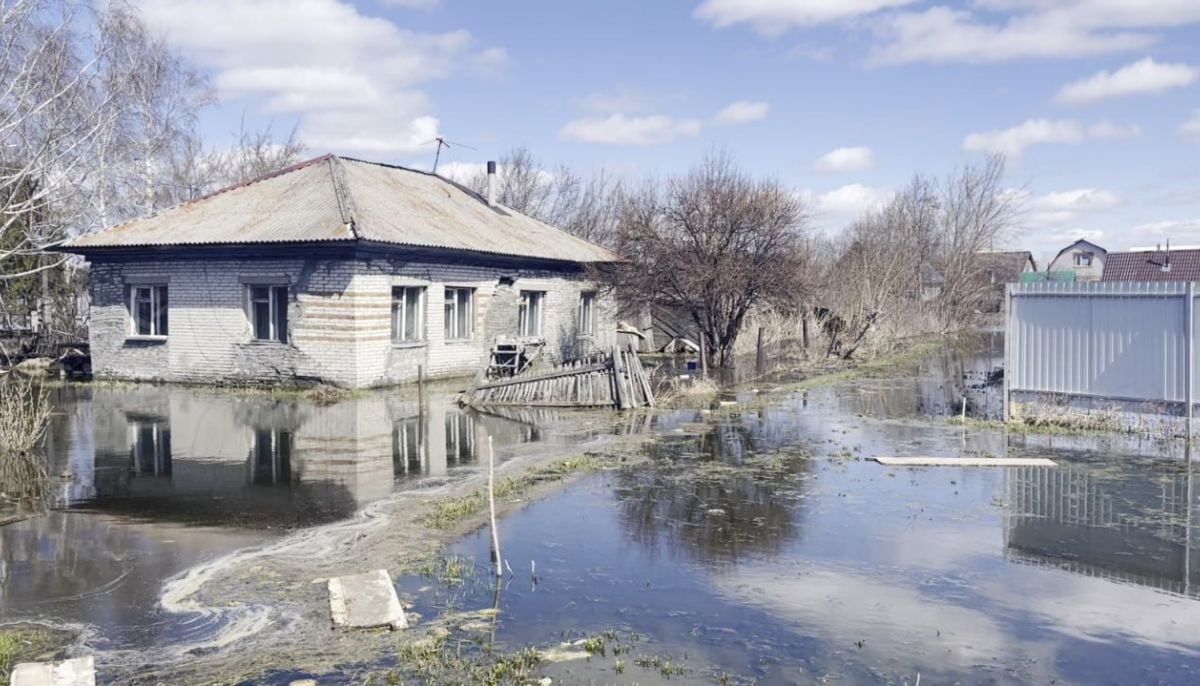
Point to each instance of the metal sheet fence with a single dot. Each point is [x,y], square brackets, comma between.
[1120,340]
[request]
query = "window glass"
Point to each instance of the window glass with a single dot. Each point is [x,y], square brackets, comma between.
[529,315]
[148,310]
[587,303]
[458,313]
[268,313]
[408,313]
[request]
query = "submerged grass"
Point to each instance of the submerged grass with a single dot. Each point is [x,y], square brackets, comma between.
[451,511]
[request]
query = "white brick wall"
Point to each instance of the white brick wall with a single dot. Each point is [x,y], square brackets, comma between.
[339,320]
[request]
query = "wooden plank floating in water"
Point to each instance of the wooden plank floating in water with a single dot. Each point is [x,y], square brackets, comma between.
[616,379]
[966,461]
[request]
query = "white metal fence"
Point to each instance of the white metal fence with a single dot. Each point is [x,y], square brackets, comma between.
[1120,341]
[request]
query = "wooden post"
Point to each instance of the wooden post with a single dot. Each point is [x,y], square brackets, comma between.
[759,362]
[492,507]
[804,332]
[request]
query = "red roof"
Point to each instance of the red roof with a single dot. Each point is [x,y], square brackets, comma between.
[1152,265]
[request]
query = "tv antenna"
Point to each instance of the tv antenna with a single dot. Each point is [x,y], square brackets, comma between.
[443,143]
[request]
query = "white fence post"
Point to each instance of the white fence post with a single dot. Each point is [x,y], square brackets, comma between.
[1008,369]
[1190,337]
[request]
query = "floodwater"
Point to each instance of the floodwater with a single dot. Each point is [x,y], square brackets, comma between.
[765,547]
[755,544]
[151,481]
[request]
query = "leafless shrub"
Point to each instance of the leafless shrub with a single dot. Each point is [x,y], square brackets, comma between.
[26,409]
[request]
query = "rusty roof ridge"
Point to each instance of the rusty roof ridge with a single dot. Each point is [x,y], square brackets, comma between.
[341,191]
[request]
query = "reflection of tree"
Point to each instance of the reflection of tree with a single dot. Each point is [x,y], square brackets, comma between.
[713,497]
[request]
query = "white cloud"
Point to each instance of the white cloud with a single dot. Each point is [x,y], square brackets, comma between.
[846,203]
[620,129]
[1144,77]
[1178,231]
[1013,141]
[1191,127]
[775,17]
[413,4]
[1017,29]
[1107,129]
[742,112]
[351,79]
[1060,207]
[846,160]
[621,101]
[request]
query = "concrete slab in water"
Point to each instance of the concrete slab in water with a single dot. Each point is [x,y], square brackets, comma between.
[364,601]
[966,461]
[80,671]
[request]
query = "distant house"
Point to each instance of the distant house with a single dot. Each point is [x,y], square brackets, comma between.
[338,271]
[1084,259]
[1000,268]
[1153,265]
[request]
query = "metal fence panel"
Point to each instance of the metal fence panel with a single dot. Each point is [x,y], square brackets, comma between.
[1117,340]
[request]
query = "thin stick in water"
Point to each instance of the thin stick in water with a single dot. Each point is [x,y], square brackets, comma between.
[492,507]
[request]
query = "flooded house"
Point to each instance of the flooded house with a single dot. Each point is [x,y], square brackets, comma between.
[338,271]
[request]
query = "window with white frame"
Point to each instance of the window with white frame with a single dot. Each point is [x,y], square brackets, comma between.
[408,314]
[587,314]
[529,317]
[267,309]
[148,310]
[459,304]
[1083,259]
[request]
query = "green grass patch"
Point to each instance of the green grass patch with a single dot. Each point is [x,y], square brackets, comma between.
[451,511]
[27,644]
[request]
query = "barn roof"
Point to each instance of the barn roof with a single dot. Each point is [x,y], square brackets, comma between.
[333,199]
[1150,265]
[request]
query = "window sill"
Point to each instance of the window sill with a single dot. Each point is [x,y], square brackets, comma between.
[408,345]
[145,339]
[255,341]
[459,341]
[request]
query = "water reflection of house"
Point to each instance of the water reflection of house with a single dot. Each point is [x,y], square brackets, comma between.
[158,450]
[1130,525]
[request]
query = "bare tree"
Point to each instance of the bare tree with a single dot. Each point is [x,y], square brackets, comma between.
[713,243]
[918,258]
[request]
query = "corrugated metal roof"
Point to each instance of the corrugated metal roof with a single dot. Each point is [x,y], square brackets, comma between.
[333,198]
[1152,266]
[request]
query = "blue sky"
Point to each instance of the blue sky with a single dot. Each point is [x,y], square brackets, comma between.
[1095,102]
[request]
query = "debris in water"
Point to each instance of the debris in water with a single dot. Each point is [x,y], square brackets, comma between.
[365,601]
[80,671]
[966,461]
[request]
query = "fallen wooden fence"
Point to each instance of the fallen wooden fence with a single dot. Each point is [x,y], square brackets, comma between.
[616,379]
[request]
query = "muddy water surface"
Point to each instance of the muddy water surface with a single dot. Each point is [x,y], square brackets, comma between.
[756,543]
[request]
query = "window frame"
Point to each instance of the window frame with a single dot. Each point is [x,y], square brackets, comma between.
[586,323]
[160,312]
[451,308]
[400,316]
[274,312]
[1084,259]
[535,301]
